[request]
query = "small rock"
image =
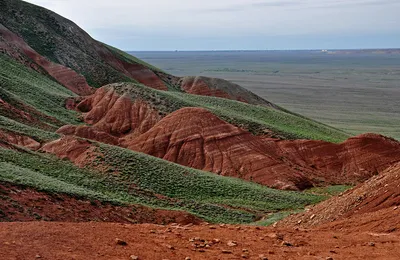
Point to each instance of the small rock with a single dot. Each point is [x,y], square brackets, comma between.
[285,243]
[226,252]
[244,250]
[212,227]
[232,243]
[170,247]
[329,258]
[134,257]
[38,256]
[120,242]
[216,240]
[371,244]
[395,208]
[187,258]
[263,257]
[244,256]
[312,216]
[299,222]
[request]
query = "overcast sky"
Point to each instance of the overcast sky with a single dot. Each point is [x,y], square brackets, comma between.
[235,24]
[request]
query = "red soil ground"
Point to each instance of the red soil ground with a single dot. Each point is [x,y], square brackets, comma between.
[65,76]
[23,204]
[44,240]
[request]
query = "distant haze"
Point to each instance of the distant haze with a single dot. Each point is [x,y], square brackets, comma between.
[236,24]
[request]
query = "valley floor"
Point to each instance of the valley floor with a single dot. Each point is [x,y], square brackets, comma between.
[52,240]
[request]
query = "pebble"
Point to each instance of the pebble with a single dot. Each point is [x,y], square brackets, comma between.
[232,243]
[226,252]
[120,242]
[134,257]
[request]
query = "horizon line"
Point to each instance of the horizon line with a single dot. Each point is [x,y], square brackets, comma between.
[248,50]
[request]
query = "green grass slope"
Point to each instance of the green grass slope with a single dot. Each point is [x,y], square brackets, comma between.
[142,179]
[19,84]
[256,119]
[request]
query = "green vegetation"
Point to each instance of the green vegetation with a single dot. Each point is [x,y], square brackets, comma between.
[257,119]
[36,133]
[275,217]
[139,178]
[26,86]
[129,58]
[329,190]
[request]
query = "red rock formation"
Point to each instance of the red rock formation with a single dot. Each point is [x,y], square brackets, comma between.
[80,152]
[118,115]
[88,133]
[221,88]
[67,77]
[196,138]
[352,161]
[18,139]
[196,86]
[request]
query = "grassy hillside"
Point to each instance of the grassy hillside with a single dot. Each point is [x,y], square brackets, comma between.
[256,119]
[142,179]
[21,85]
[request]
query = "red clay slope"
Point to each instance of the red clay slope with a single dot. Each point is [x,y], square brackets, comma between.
[352,161]
[196,138]
[8,137]
[16,46]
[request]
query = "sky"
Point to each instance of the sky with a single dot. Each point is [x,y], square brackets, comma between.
[164,25]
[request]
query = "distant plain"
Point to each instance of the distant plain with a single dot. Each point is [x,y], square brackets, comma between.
[357,92]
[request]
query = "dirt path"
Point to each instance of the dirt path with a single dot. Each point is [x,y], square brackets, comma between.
[49,240]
